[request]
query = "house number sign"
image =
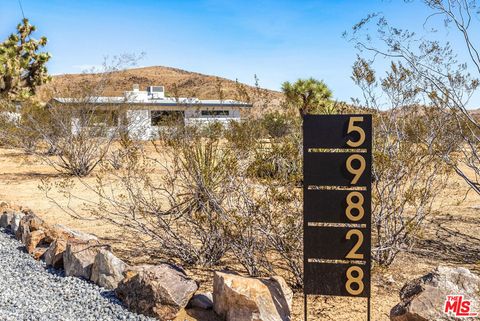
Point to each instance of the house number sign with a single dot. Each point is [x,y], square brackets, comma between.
[337,151]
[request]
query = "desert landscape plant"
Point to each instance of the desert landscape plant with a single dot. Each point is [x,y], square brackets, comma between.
[22,71]
[444,74]
[308,96]
[407,167]
[22,63]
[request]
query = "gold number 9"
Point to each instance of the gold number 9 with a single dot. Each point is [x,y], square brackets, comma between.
[356,171]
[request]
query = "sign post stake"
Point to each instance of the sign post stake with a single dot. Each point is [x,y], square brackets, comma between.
[305,304]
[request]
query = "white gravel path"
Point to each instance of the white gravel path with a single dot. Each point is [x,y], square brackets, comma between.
[31,292]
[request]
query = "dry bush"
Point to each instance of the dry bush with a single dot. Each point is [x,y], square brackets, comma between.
[173,198]
[16,131]
[79,139]
[72,138]
[442,73]
[280,159]
[190,200]
[407,170]
[243,136]
[280,224]
[277,124]
[406,179]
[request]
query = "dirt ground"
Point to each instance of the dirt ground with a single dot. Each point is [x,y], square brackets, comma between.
[450,237]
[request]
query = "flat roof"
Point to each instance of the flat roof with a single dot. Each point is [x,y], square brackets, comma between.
[164,102]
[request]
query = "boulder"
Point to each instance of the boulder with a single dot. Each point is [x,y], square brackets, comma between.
[29,223]
[107,270]
[159,291]
[61,231]
[15,222]
[61,234]
[33,239]
[39,252]
[238,298]
[79,256]
[54,254]
[202,301]
[424,298]
[6,219]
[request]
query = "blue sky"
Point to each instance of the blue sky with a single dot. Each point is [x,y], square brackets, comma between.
[277,40]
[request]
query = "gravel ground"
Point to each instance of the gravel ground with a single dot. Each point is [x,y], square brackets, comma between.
[31,292]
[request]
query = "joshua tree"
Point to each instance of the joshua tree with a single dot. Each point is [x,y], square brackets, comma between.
[22,66]
[308,95]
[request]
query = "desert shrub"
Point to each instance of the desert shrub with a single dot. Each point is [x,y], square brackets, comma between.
[406,178]
[280,159]
[442,74]
[123,151]
[212,130]
[246,244]
[280,224]
[277,124]
[407,172]
[80,138]
[175,198]
[243,136]
[203,175]
[16,129]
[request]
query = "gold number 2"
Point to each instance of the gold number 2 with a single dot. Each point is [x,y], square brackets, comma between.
[353,128]
[356,171]
[353,252]
[354,280]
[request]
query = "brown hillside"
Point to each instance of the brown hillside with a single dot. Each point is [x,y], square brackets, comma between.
[177,82]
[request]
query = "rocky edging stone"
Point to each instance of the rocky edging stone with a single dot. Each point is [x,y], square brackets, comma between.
[159,291]
[424,298]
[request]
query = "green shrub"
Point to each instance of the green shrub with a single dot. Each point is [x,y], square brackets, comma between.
[277,124]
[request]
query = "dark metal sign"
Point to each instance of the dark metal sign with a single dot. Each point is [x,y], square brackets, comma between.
[337,152]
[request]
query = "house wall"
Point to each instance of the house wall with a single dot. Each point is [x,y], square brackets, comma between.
[140,126]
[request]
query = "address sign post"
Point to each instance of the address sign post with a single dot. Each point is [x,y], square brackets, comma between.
[337,151]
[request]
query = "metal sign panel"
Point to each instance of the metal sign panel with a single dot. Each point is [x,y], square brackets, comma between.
[337,204]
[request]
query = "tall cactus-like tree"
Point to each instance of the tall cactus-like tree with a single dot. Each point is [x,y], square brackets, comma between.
[22,63]
[308,95]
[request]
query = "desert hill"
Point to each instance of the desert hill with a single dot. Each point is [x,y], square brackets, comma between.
[177,82]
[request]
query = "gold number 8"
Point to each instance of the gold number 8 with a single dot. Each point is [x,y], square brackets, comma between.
[356,171]
[354,280]
[358,205]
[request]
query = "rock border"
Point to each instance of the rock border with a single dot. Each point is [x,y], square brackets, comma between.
[160,291]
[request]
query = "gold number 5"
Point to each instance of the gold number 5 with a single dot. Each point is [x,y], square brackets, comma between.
[353,128]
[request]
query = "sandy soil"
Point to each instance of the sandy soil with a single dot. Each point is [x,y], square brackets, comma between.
[450,237]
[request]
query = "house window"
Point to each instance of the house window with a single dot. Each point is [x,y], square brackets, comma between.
[101,117]
[166,117]
[215,113]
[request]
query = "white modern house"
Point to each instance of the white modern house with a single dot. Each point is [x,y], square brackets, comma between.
[144,113]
